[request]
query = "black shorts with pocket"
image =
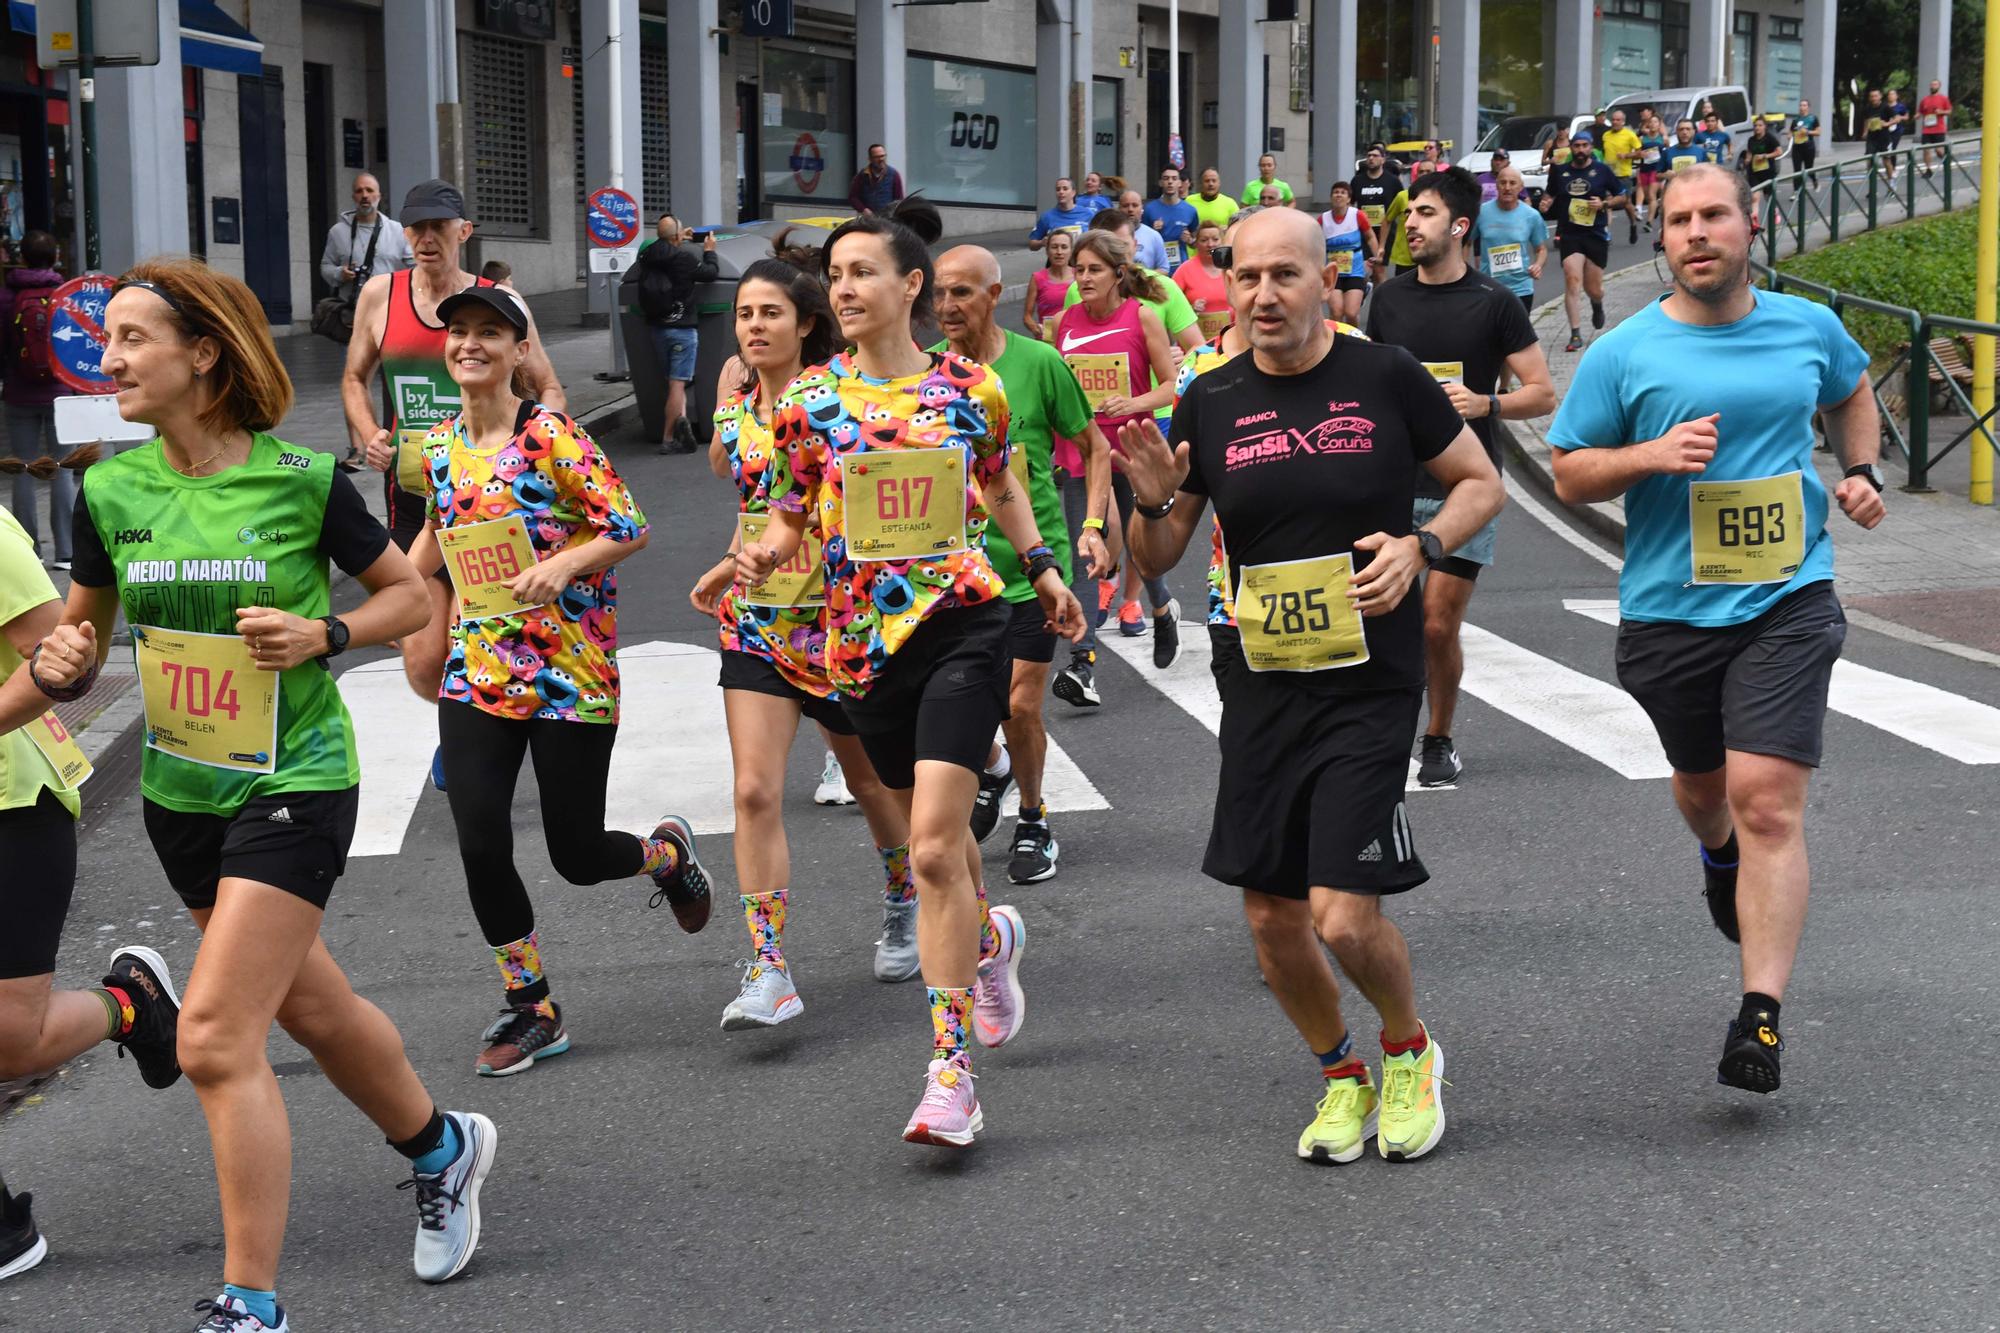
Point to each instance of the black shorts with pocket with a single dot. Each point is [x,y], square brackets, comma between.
[752,672]
[942,695]
[1759,687]
[1027,639]
[38,849]
[1311,791]
[1595,248]
[295,840]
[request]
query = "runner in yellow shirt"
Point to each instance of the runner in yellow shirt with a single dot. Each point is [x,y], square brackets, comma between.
[1621,153]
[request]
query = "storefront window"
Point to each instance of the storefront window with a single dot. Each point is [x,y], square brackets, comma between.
[1389,61]
[1630,57]
[1785,57]
[1107,145]
[971,133]
[1743,51]
[1510,60]
[806,148]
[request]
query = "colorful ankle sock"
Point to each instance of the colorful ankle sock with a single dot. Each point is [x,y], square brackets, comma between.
[263,1304]
[521,973]
[1416,1043]
[989,940]
[951,1017]
[765,915]
[1341,1062]
[660,854]
[896,865]
[119,1015]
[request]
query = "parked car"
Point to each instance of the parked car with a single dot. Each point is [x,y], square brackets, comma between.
[1525,138]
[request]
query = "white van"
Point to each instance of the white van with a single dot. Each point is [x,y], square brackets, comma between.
[1731,101]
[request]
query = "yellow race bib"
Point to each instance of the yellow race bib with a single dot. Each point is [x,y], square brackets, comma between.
[1294,615]
[1800,136]
[1504,259]
[800,581]
[1213,322]
[1374,213]
[65,756]
[412,471]
[482,559]
[1747,531]
[1758,161]
[904,504]
[1102,375]
[1446,372]
[1581,213]
[205,699]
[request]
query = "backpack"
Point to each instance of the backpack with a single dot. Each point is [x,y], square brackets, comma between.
[33,307]
[657,296]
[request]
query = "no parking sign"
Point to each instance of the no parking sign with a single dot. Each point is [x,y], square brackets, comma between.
[76,332]
[612,219]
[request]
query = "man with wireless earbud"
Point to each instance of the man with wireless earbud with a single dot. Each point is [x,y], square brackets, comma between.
[1464,327]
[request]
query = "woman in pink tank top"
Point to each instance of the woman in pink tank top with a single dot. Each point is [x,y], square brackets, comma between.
[1115,345]
[1049,286]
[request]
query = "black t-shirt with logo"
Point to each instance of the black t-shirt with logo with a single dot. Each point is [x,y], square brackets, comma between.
[1375,191]
[1305,465]
[1567,183]
[1474,321]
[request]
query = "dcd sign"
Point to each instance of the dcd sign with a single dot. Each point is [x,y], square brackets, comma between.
[974,131]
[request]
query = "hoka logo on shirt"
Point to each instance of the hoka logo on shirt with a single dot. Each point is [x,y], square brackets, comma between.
[131,536]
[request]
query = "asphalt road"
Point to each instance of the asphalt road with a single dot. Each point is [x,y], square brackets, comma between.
[1137,1166]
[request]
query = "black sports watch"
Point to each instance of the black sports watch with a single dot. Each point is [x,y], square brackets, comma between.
[336,637]
[1868,470]
[1037,560]
[1428,543]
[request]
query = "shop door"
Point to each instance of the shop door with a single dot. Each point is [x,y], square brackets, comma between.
[1145,178]
[267,252]
[749,154]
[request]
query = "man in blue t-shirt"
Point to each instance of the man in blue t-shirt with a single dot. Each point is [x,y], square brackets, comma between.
[1069,214]
[1173,219]
[1512,238]
[1683,151]
[1698,410]
[1579,193]
[1714,141]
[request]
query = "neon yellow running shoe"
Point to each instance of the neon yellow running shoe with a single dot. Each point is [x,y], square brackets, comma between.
[1412,1118]
[1339,1132]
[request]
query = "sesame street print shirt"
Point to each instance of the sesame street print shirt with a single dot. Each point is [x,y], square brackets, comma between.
[825,426]
[558,661]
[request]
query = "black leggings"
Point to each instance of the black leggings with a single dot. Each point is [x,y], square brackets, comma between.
[482,759]
[38,848]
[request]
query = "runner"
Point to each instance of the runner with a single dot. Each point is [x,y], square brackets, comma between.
[1934,112]
[1313,830]
[1805,138]
[1621,149]
[1350,249]
[1398,247]
[1044,401]
[1047,286]
[1580,191]
[1206,286]
[249,775]
[42,1028]
[527,517]
[1267,176]
[1652,147]
[771,675]
[1211,205]
[1465,329]
[1714,141]
[1513,240]
[1683,151]
[1761,152]
[1173,218]
[1372,190]
[1119,351]
[1730,626]
[1146,242]
[916,643]
[396,327]
[1068,217]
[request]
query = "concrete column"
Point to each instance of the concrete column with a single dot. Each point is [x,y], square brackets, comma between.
[598,62]
[1054,79]
[1239,114]
[880,64]
[1334,24]
[1458,74]
[142,155]
[1082,63]
[1708,44]
[1573,74]
[1933,51]
[414,46]
[1816,78]
[694,113]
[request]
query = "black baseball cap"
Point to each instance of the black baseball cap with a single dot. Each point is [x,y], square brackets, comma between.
[504,303]
[432,201]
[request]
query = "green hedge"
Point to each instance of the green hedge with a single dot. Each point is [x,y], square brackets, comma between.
[1928,265]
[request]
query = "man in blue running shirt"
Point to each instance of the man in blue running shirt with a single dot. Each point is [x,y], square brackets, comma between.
[1070,214]
[1173,219]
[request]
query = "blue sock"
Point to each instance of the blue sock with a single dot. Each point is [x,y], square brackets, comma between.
[1338,1056]
[263,1304]
[442,1156]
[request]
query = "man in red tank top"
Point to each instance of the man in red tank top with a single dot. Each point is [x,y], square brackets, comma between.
[396,327]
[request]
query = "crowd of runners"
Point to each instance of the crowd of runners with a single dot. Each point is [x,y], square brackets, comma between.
[928,505]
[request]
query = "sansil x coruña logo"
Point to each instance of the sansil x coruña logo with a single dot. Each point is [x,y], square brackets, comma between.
[250,536]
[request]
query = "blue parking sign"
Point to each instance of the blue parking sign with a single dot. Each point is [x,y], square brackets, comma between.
[76,332]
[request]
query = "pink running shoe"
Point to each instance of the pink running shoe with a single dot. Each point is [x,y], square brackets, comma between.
[949,1115]
[998,1005]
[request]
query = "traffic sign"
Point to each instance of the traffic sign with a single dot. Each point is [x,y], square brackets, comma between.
[76,332]
[612,219]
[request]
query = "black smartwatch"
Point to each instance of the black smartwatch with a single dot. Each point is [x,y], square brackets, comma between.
[1155,512]
[1868,470]
[336,637]
[1428,543]
[1036,560]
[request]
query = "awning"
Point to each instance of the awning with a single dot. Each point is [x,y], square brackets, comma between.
[210,39]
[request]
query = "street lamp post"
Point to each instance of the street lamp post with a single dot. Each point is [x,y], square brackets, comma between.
[1986,293]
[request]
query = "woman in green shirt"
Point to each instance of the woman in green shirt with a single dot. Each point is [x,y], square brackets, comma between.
[215,541]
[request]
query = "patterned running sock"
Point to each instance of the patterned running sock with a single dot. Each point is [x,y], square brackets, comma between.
[660,855]
[263,1304]
[521,973]
[989,939]
[765,915]
[896,865]
[951,1019]
[119,1015]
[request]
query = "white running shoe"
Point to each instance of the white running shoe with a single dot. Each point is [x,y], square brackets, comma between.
[998,1004]
[448,1202]
[832,789]
[766,999]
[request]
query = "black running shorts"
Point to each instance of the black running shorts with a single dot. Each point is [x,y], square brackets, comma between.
[942,695]
[749,671]
[1027,640]
[1225,658]
[1759,687]
[1594,248]
[1348,282]
[38,849]
[1311,792]
[296,841]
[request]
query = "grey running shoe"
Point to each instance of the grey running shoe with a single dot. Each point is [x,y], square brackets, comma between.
[448,1202]
[766,999]
[1035,853]
[896,951]
[1167,634]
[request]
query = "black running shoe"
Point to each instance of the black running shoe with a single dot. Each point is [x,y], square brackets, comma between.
[685,887]
[1575,343]
[1167,634]
[681,439]
[1632,238]
[1597,314]
[1750,1054]
[156,1013]
[986,805]
[21,1246]
[1719,890]
[1440,764]
[1035,853]
[1076,684]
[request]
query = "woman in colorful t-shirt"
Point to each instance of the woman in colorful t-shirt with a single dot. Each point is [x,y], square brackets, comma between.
[1048,287]
[902,454]
[528,517]
[774,657]
[215,540]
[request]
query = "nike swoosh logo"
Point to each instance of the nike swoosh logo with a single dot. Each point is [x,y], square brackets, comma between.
[1070,342]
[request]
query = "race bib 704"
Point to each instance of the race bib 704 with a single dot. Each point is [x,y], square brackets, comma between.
[205,699]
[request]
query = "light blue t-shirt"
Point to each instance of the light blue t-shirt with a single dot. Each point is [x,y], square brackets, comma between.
[1072,219]
[1519,225]
[1149,249]
[1715,146]
[1678,155]
[1766,374]
[1174,219]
